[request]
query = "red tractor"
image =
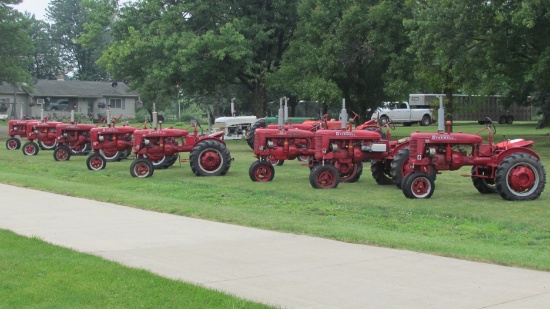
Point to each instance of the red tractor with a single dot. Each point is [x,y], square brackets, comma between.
[110,144]
[16,128]
[44,133]
[510,168]
[72,139]
[160,148]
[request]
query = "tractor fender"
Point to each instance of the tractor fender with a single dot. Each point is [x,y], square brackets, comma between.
[216,138]
[510,151]
[399,147]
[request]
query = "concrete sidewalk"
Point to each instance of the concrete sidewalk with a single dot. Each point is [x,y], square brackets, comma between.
[285,270]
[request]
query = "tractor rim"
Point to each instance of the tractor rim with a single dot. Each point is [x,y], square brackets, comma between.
[109,153]
[210,160]
[420,187]
[262,173]
[272,160]
[141,169]
[325,179]
[345,169]
[12,144]
[49,144]
[62,155]
[522,179]
[96,163]
[29,149]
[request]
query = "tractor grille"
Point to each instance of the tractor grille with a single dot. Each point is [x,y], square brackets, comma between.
[413,148]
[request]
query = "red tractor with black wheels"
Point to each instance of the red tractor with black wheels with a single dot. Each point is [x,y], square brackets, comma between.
[510,168]
[16,128]
[72,139]
[160,148]
[110,144]
[40,135]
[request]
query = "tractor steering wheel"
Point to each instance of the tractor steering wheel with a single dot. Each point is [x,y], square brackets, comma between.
[391,124]
[491,125]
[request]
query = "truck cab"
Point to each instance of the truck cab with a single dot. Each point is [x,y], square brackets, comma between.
[403,112]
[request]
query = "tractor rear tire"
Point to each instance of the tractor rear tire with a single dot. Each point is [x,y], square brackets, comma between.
[303,158]
[110,156]
[380,173]
[81,150]
[96,162]
[47,145]
[171,160]
[261,171]
[274,161]
[30,149]
[62,153]
[520,177]
[418,185]
[142,168]
[324,177]
[483,185]
[210,158]
[13,143]
[250,135]
[349,174]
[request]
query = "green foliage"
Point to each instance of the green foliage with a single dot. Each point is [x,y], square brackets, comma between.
[47,55]
[15,45]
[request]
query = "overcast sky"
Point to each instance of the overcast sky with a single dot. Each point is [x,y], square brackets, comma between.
[36,7]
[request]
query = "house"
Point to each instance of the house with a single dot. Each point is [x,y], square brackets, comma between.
[59,97]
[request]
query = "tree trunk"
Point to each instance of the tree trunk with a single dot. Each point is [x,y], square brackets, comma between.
[259,97]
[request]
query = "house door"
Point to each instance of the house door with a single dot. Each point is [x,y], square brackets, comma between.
[90,111]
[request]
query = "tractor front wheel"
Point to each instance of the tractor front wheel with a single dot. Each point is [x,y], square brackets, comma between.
[13,143]
[418,185]
[62,153]
[48,145]
[324,177]
[261,171]
[96,162]
[485,185]
[30,149]
[142,168]
[210,158]
[520,177]
[380,173]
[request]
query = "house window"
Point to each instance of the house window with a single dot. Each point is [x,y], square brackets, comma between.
[116,103]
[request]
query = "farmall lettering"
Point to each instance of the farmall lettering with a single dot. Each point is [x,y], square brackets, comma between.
[345,134]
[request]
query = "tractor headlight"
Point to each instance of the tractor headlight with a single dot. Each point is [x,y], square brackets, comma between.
[333,146]
[65,135]
[35,131]
[100,138]
[15,128]
[269,144]
[146,142]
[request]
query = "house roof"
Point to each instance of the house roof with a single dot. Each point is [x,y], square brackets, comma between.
[68,88]
[6,88]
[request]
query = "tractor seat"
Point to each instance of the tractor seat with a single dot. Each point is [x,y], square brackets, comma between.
[515,143]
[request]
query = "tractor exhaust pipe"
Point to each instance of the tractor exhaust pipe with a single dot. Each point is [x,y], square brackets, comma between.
[155,117]
[344,115]
[286,110]
[441,116]
[108,115]
[281,114]
[72,115]
[233,112]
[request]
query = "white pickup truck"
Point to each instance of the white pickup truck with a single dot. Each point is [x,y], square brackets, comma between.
[402,112]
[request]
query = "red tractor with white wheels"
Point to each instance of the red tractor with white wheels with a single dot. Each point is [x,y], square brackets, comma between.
[40,135]
[160,148]
[510,168]
[16,128]
[72,139]
[110,144]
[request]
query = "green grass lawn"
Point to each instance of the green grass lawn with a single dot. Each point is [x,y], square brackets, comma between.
[38,275]
[457,221]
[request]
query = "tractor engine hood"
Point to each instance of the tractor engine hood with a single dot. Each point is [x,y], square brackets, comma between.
[448,138]
[285,133]
[161,133]
[353,135]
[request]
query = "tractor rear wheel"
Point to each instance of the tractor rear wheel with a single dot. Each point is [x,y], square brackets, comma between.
[274,161]
[62,153]
[261,171]
[30,149]
[210,158]
[400,167]
[250,134]
[110,155]
[380,173]
[324,177]
[96,162]
[13,143]
[142,168]
[171,160]
[81,150]
[48,145]
[349,172]
[418,185]
[520,177]
[483,185]
[303,158]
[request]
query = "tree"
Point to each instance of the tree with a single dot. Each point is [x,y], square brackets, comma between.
[15,45]
[69,18]
[343,49]
[201,45]
[46,56]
